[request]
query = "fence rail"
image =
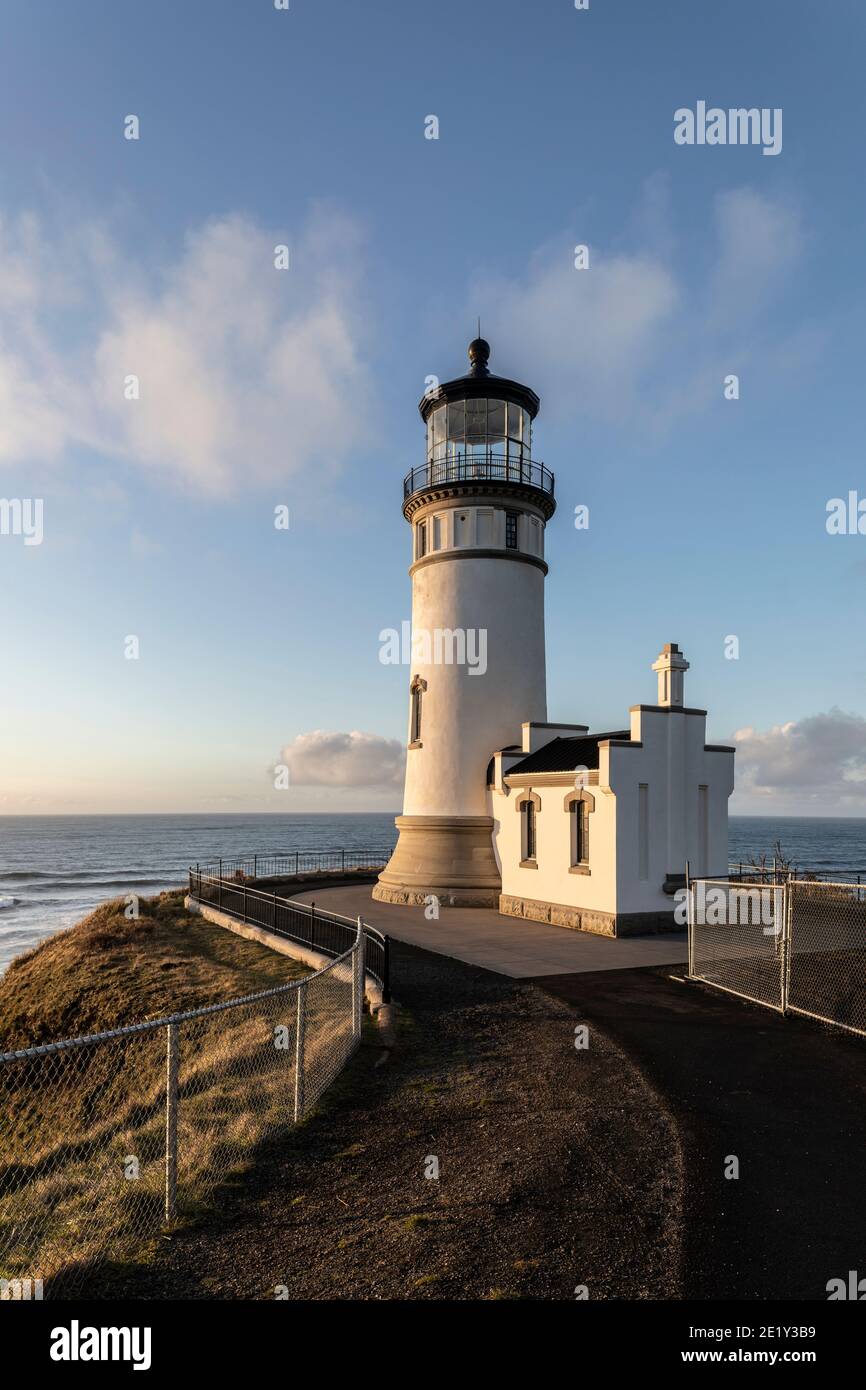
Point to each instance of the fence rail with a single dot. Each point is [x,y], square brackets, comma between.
[770,871]
[795,945]
[303,923]
[106,1138]
[297,862]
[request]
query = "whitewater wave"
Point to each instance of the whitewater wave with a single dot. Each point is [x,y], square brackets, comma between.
[82,876]
[8,902]
[81,883]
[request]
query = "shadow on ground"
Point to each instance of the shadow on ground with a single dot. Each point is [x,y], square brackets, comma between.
[785,1096]
[558,1167]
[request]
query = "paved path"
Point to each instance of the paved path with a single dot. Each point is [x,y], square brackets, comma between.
[783,1095]
[510,945]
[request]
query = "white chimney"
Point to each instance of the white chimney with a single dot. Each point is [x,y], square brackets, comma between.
[670,665]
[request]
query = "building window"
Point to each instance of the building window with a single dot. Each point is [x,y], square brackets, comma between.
[417,689]
[579,833]
[420,540]
[528,846]
[511,530]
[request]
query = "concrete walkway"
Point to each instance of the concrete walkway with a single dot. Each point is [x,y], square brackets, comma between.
[510,945]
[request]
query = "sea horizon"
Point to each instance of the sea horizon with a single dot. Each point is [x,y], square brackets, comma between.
[57,867]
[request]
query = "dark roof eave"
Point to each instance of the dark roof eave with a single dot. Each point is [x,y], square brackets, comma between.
[466,387]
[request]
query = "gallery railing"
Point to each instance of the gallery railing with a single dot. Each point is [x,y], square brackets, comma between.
[467,468]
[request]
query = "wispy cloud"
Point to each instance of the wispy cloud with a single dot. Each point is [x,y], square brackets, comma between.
[632,338]
[247,373]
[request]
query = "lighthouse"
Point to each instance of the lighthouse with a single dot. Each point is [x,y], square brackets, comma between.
[477,507]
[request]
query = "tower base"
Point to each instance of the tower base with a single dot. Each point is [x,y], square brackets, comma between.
[447,857]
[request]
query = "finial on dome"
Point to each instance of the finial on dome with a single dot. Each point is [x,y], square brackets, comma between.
[479,353]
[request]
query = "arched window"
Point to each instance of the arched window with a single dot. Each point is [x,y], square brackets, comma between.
[528,807]
[416,690]
[580,806]
[579,833]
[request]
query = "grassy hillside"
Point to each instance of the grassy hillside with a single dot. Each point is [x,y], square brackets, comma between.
[82,1130]
[109,971]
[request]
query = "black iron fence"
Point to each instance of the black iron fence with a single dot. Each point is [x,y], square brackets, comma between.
[304,923]
[771,871]
[297,862]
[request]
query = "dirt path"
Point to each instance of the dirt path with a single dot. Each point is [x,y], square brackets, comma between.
[558,1167]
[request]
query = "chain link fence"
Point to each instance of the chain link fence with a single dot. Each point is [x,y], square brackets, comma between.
[106,1140]
[796,945]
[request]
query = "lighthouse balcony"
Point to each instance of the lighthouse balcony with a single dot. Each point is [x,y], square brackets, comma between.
[478,467]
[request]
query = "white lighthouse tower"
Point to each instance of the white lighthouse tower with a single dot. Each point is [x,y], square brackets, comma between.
[478,508]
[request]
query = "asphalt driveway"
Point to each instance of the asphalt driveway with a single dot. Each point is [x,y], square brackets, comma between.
[784,1096]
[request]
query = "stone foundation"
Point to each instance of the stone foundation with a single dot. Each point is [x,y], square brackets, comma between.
[588,919]
[447,857]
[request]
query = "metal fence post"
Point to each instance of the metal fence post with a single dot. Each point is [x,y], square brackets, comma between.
[386,970]
[786,946]
[300,1029]
[358,983]
[171,1096]
[780,921]
[690,919]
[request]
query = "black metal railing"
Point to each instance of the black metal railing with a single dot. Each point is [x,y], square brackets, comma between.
[469,468]
[770,872]
[303,923]
[297,862]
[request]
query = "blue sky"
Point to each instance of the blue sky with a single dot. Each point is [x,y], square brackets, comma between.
[261,388]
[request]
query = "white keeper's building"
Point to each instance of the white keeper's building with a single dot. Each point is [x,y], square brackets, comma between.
[502,808]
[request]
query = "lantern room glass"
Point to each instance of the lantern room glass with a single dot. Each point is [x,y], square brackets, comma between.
[479,428]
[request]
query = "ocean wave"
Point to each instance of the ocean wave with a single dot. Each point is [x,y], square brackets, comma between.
[8,902]
[83,885]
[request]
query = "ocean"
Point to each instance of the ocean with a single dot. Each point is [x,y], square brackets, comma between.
[55,869]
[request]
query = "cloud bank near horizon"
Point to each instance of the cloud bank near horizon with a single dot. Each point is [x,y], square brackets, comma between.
[323,759]
[816,763]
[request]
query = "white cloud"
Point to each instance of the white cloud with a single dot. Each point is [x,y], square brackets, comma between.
[321,759]
[247,374]
[631,337]
[820,759]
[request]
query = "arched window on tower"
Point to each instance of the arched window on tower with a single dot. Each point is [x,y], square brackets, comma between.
[416,690]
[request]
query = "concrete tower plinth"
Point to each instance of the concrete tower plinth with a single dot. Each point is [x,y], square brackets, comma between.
[447,857]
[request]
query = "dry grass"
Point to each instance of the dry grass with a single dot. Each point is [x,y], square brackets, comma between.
[109,971]
[82,1131]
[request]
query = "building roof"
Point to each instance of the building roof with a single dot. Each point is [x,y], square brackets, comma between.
[565,754]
